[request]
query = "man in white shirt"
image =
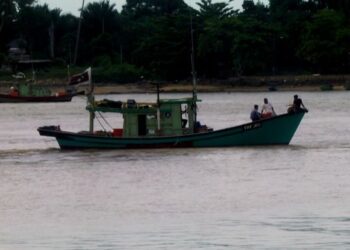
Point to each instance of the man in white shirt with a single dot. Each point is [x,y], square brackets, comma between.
[267,109]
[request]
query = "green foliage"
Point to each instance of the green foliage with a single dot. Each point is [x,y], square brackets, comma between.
[2,59]
[103,61]
[325,43]
[33,24]
[163,46]
[214,45]
[9,12]
[65,37]
[102,45]
[122,73]
[326,87]
[286,36]
[258,11]
[146,8]
[99,18]
[339,5]
[217,22]
[253,48]
[347,85]
[210,10]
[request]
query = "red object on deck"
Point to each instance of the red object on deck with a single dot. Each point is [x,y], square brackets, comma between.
[61,93]
[266,115]
[117,132]
[14,93]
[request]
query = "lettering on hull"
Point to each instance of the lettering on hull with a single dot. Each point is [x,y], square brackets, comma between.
[251,126]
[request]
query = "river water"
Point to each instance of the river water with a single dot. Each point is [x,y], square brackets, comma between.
[289,197]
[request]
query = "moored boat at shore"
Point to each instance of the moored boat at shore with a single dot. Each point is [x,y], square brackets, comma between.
[23,93]
[30,91]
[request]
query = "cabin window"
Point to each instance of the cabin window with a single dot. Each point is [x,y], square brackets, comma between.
[167,114]
[151,117]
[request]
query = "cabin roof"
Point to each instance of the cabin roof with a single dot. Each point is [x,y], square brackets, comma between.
[178,101]
[143,107]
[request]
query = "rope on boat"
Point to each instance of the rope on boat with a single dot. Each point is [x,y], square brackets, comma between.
[107,123]
[104,129]
[104,119]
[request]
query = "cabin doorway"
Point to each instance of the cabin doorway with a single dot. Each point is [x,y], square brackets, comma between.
[184,116]
[142,126]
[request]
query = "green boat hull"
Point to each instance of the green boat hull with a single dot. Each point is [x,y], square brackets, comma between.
[278,130]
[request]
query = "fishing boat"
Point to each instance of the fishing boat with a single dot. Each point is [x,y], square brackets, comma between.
[169,123]
[22,93]
[162,124]
[30,91]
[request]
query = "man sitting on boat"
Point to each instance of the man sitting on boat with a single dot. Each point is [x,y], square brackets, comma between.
[298,105]
[255,115]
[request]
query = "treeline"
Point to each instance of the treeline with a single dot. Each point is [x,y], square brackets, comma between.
[152,38]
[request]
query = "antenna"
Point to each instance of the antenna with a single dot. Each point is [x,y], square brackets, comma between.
[158,98]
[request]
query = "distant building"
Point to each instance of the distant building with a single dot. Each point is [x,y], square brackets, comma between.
[17,51]
[20,59]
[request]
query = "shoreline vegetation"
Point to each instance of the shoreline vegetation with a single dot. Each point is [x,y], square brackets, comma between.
[159,39]
[237,84]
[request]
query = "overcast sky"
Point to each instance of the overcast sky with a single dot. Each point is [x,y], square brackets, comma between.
[73,6]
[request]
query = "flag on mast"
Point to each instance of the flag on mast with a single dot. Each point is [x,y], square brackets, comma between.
[81,79]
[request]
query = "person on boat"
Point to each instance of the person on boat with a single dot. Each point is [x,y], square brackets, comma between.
[267,109]
[14,91]
[255,115]
[298,105]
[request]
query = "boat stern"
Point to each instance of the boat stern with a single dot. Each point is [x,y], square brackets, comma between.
[49,130]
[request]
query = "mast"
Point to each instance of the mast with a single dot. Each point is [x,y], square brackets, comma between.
[78,35]
[194,74]
[2,18]
[68,73]
[158,108]
[91,101]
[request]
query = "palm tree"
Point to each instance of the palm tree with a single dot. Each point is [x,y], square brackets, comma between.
[7,11]
[215,10]
[143,8]
[101,14]
[55,16]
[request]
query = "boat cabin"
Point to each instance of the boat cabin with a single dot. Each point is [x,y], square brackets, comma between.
[29,89]
[167,117]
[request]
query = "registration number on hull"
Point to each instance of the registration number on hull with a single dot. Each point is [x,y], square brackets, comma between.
[251,126]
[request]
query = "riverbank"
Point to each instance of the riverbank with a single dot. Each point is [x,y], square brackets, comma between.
[205,88]
[241,84]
